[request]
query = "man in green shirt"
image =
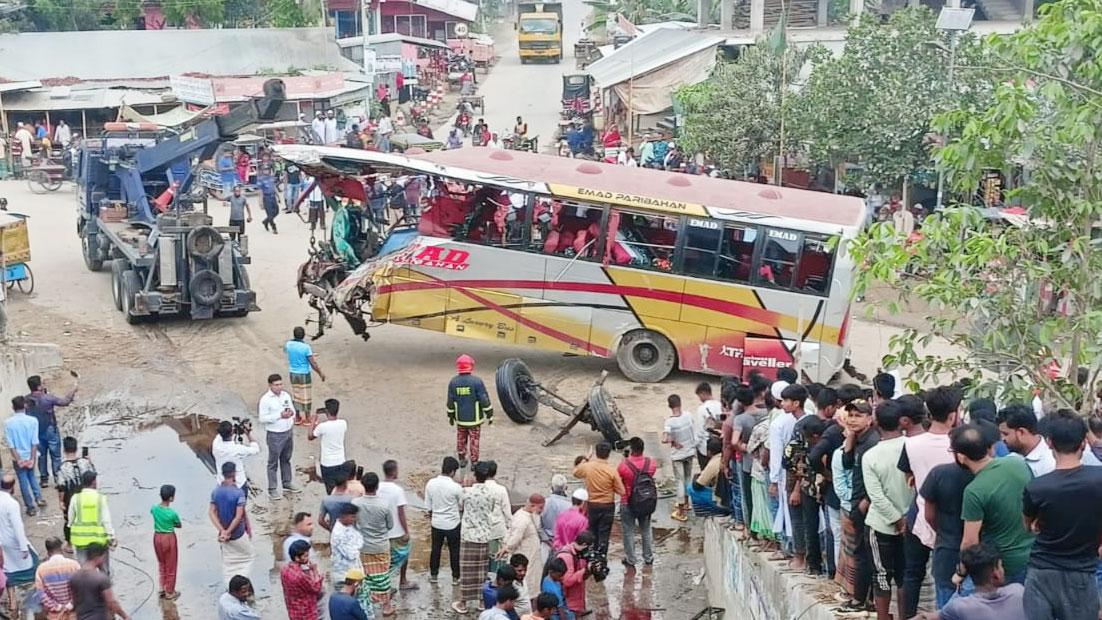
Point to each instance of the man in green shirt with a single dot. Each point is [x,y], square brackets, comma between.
[992,504]
[165,522]
[889,498]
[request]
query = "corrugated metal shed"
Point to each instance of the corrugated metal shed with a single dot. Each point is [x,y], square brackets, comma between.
[648,52]
[147,54]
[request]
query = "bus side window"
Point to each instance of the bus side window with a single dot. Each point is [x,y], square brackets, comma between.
[574,230]
[645,241]
[813,274]
[778,258]
[702,239]
[736,253]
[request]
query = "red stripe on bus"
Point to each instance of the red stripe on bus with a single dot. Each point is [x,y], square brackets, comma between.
[533,325]
[760,315]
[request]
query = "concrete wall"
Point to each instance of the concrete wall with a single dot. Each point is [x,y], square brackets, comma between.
[750,587]
[20,360]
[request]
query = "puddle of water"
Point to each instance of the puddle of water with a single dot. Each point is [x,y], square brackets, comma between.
[133,464]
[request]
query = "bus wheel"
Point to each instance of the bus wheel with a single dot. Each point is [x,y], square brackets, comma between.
[605,416]
[514,391]
[645,356]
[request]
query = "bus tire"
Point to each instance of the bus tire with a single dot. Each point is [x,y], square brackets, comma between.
[645,356]
[605,416]
[516,398]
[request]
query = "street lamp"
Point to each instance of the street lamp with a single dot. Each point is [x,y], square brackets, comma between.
[953,20]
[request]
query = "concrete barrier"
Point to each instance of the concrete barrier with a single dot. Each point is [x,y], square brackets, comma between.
[750,587]
[20,360]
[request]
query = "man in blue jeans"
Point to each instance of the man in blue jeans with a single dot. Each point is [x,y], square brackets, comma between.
[40,406]
[21,433]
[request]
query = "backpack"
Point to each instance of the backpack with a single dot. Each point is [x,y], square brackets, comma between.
[644,492]
[70,474]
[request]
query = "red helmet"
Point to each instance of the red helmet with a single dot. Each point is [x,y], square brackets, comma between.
[464,364]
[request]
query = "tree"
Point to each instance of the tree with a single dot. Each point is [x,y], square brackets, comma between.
[735,116]
[872,105]
[291,14]
[1022,301]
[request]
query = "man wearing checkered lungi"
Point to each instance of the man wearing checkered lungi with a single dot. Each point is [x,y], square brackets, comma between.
[300,358]
[468,407]
[374,521]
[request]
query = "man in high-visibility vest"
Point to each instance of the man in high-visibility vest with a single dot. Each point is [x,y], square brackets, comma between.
[90,520]
[468,407]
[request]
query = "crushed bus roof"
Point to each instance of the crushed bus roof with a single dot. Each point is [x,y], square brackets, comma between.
[601,182]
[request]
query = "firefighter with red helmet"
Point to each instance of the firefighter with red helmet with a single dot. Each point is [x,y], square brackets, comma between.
[468,407]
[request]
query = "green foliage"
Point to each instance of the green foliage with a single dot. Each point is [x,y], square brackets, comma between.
[872,106]
[735,116]
[290,14]
[647,11]
[983,282]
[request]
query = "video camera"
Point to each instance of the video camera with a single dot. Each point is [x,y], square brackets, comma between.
[596,564]
[241,428]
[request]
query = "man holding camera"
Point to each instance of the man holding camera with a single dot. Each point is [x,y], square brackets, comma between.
[234,442]
[577,556]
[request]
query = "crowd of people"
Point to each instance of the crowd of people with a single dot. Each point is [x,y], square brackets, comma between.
[38,142]
[870,488]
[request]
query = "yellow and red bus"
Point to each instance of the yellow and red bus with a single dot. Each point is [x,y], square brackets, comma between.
[659,270]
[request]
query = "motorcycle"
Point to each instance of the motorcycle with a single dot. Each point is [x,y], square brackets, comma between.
[525,143]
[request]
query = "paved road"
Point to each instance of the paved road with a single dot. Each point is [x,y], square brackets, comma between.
[533,91]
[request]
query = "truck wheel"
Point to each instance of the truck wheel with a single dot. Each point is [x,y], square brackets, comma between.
[130,287]
[90,249]
[118,267]
[205,243]
[513,381]
[205,288]
[605,416]
[645,356]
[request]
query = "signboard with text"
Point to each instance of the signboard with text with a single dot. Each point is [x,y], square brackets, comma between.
[192,90]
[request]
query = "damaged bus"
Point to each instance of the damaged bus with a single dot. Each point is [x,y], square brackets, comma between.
[658,270]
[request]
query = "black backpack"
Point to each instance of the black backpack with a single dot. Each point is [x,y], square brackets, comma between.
[644,492]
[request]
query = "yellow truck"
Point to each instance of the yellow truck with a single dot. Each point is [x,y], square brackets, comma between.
[539,30]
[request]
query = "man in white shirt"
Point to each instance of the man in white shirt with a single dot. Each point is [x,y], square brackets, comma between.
[1018,427]
[25,138]
[277,414]
[62,135]
[706,417]
[318,125]
[382,133]
[442,498]
[331,432]
[226,449]
[303,529]
[13,538]
[332,136]
[395,496]
[780,433]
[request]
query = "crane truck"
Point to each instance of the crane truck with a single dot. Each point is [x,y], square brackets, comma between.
[539,30]
[142,212]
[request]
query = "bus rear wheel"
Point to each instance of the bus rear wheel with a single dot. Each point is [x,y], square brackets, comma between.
[645,356]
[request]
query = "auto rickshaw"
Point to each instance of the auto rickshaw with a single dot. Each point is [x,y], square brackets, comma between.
[577,94]
[585,52]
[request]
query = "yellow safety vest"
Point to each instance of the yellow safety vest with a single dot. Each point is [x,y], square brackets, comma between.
[86,528]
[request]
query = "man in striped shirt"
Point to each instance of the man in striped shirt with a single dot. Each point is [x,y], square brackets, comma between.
[52,581]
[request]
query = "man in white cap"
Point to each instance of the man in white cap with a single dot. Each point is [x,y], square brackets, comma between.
[318,125]
[331,134]
[573,521]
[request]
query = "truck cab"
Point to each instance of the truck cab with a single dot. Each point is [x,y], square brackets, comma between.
[539,31]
